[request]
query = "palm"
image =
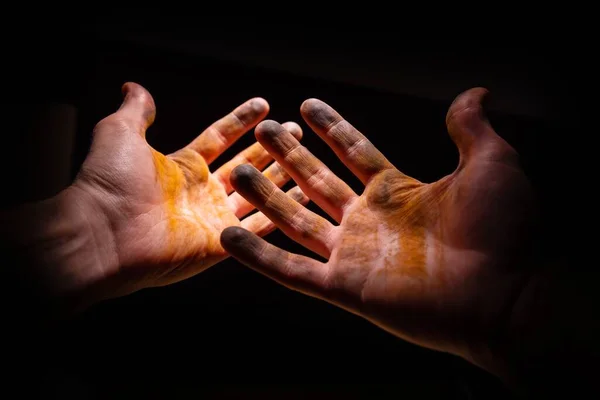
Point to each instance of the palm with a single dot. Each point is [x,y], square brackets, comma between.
[424,261]
[166,212]
[179,209]
[408,245]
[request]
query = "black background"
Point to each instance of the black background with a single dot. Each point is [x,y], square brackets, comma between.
[229,332]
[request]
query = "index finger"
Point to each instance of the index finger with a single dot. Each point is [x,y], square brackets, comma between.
[291,270]
[351,146]
[223,133]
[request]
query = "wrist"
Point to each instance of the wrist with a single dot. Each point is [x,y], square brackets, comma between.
[548,341]
[62,252]
[493,348]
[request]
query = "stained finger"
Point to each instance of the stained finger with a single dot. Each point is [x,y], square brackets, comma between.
[351,146]
[260,225]
[316,180]
[223,133]
[300,224]
[275,173]
[255,155]
[291,270]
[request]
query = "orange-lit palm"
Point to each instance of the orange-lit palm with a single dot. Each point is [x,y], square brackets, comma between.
[431,263]
[166,212]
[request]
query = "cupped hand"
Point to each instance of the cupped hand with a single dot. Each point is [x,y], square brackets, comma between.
[163,214]
[437,264]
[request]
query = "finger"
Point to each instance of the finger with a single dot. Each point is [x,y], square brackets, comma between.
[291,270]
[275,173]
[223,133]
[260,225]
[351,146]
[255,155]
[316,180]
[138,108]
[470,129]
[301,225]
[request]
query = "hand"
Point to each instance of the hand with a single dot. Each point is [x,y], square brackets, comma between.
[436,264]
[135,218]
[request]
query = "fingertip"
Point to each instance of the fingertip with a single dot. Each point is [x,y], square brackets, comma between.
[127,87]
[134,90]
[138,102]
[318,113]
[267,128]
[233,238]
[259,105]
[294,129]
[241,243]
[467,122]
[470,97]
[308,104]
[467,105]
[241,176]
[298,195]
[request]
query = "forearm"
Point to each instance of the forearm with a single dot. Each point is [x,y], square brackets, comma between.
[53,255]
[550,343]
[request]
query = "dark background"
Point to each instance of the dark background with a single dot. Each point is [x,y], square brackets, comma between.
[230,332]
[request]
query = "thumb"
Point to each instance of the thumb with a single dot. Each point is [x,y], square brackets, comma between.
[467,123]
[138,107]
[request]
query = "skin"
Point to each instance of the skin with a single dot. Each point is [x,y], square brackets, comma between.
[136,218]
[438,264]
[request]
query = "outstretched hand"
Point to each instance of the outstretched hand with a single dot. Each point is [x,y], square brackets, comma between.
[434,263]
[163,214]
